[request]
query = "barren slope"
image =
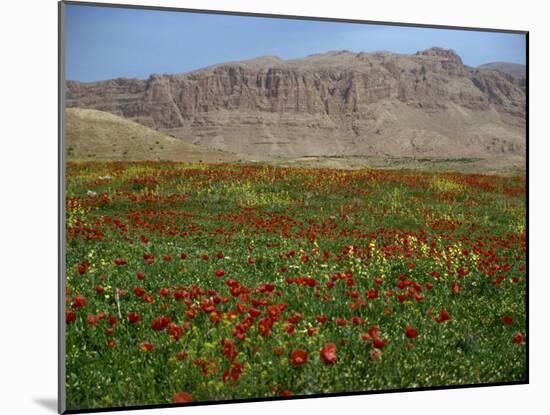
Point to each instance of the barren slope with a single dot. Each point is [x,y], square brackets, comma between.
[92,134]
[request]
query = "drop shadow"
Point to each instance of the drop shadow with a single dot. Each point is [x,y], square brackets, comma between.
[48,403]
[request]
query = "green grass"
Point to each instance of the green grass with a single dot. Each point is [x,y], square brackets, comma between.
[364,230]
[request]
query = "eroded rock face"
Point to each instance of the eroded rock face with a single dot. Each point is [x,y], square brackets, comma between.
[335,103]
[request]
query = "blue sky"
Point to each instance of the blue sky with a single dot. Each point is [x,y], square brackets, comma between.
[105,43]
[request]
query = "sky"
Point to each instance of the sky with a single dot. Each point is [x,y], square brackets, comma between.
[104,43]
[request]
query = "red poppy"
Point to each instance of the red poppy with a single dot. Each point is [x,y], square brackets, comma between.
[181,356]
[183,255]
[167,257]
[149,258]
[220,273]
[411,332]
[182,397]
[518,338]
[160,323]
[286,392]
[205,257]
[379,343]
[99,289]
[219,255]
[264,326]
[228,349]
[357,321]
[146,347]
[164,292]
[254,312]
[298,357]
[443,316]
[92,320]
[455,287]
[322,319]
[111,343]
[148,298]
[70,316]
[372,294]
[79,301]
[328,354]
[82,268]
[134,317]
[340,321]
[120,261]
[508,320]
[215,316]
[140,276]
[251,260]
[113,320]
[139,291]
[175,331]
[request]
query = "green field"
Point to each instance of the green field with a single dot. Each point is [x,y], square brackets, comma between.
[213,282]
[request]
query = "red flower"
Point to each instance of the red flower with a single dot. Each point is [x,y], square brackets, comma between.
[328,354]
[322,319]
[341,322]
[455,287]
[113,320]
[228,349]
[220,273]
[508,320]
[134,317]
[219,255]
[167,257]
[379,343]
[205,257]
[518,338]
[411,332]
[298,357]
[99,289]
[138,291]
[120,261]
[140,276]
[264,326]
[175,331]
[82,268]
[111,343]
[160,323]
[92,320]
[146,347]
[443,316]
[286,392]
[79,301]
[183,255]
[372,294]
[182,397]
[181,356]
[70,316]
[357,321]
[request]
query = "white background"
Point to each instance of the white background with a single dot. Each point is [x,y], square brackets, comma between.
[28,230]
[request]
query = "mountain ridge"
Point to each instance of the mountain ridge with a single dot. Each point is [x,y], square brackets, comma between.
[336,102]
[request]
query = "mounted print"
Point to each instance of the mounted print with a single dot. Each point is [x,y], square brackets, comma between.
[258,207]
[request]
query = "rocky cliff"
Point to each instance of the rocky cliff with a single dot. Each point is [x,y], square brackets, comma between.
[335,103]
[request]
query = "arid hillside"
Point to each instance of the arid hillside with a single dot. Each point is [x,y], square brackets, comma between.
[338,103]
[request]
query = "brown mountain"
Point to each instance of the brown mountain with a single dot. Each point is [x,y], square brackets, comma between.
[336,103]
[514,69]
